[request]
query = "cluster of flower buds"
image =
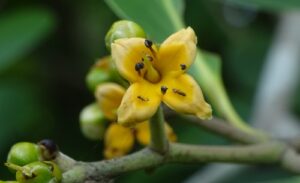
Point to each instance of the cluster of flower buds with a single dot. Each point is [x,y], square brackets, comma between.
[98,120]
[32,163]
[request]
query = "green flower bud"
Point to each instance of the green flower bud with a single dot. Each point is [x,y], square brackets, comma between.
[99,73]
[123,29]
[92,122]
[23,153]
[37,172]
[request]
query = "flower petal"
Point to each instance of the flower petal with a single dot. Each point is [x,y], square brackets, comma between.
[143,133]
[177,52]
[118,141]
[126,53]
[109,97]
[139,103]
[185,96]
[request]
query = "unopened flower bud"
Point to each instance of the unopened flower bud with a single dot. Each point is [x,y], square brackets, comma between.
[23,153]
[101,72]
[123,29]
[109,97]
[92,122]
[49,149]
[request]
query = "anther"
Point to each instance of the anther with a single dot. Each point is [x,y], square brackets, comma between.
[183,66]
[148,43]
[149,58]
[142,99]
[163,89]
[139,66]
[179,92]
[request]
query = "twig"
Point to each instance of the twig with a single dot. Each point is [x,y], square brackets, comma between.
[220,127]
[266,153]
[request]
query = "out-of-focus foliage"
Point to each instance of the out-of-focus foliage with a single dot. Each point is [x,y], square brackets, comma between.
[50,45]
[270,5]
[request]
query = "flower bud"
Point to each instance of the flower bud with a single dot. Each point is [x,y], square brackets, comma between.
[49,149]
[37,172]
[109,97]
[23,153]
[123,29]
[92,122]
[101,72]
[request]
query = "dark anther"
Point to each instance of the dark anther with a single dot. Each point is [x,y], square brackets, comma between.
[179,92]
[148,43]
[163,89]
[183,66]
[139,66]
[142,99]
[149,58]
[49,149]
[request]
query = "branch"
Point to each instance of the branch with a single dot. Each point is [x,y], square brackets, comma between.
[267,153]
[222,128]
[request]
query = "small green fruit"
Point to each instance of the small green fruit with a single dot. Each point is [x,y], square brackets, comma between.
[92,122]
[23,153]
[123,29]
[38,172]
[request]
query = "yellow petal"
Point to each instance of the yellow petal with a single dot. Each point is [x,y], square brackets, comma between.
[177,52]
[143,133]
[118,141]
[126,53]
[139,103]
[109,97]
[185,96]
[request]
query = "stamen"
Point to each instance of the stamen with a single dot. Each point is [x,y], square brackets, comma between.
[179,92]
[143,99]
[183,66]
[163,89]
[148,43]
[139,66]
[149,58]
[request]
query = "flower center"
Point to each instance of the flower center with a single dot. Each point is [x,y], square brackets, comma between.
[149,71]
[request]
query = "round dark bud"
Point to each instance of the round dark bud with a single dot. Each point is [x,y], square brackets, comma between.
[163,89]
[148,43]
[139,66]
[49,149]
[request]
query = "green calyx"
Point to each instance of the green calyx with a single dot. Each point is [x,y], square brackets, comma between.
[123,29]
[92,122]
[37,172]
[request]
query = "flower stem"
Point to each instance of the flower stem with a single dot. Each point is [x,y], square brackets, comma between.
[159,141]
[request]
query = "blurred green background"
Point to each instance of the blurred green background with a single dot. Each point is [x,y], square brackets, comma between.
[47,47]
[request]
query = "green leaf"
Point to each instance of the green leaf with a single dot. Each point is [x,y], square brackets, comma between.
[20,31]
[162,22]
[269,5]
[159,18]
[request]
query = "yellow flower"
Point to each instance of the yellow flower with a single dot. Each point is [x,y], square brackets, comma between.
[158,74]
[119,140]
